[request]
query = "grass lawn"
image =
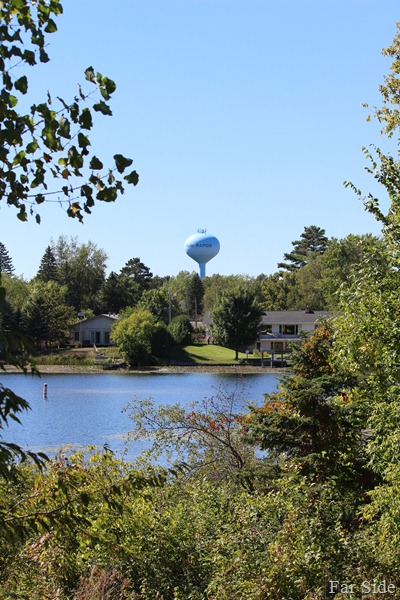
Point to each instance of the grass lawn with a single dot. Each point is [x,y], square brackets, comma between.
[206,354]
[194,354]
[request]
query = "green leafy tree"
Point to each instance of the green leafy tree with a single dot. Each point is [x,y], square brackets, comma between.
[81,268]
[160,303]
[180,329]
[140,337]
[188,290]
[51,141]
[279,291]
[48,266]
[312,242]
[236,320]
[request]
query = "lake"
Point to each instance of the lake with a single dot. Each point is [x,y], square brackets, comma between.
[87,409]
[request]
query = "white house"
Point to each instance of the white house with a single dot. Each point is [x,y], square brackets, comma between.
[281,327]
[94,330]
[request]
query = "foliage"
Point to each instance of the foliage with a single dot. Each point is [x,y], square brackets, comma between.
[46,316]
[160,303]
[141,337]
[188,291]
[236,319]
[180,329]
[216,285]
[6,264]
[118,292]
[81,268]
[312,242]
[13,351]
[48,266]
[50,141]
[208,435]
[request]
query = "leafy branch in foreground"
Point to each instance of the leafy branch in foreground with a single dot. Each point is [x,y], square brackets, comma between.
[47,143]
[207,437]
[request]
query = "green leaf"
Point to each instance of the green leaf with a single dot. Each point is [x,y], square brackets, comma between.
[133,177]
[12,101]
[103,108]
[32,147]
[21,84]
[85,119]
[44,58]
[51,27]
[39,199]
[121,162]
[95,163]
[107,87]
[89,74]
[22,216]
[29,57]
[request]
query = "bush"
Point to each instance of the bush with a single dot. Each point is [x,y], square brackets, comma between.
[180,329]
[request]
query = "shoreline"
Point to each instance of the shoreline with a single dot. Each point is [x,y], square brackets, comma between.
[89,370]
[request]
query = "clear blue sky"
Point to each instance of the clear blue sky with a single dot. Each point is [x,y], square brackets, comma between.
[242,116]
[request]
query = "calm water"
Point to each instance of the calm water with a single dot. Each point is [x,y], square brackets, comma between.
[83,410]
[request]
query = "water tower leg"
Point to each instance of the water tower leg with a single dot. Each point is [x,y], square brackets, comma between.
[202,270]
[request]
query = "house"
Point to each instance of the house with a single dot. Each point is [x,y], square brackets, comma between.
[279,328]
[93,331]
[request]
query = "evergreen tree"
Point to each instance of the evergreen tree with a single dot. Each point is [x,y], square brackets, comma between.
[6,265]
[313,241]
[313,420]
[48,266]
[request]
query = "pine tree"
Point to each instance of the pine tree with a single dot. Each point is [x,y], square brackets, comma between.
[48,266]
[312,241]
[6,265]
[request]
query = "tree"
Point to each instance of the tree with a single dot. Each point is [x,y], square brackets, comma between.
[180,329]
[81,268]
[236,320]
[117,293]
[188,290]
[51,141]
[279,291]
[160,304]
[6,265]
[136,270]
[46,316]
[48,266]
[46,143]
[140,337]
[313,420]
[312,242]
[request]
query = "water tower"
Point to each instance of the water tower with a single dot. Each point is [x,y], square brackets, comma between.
[202,248]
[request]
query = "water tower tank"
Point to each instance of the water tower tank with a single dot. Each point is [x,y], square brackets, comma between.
[202,248]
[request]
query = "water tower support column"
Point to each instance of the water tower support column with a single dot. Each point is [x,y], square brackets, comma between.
[202,270]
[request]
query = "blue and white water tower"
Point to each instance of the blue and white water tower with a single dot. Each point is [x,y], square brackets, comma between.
[202,248]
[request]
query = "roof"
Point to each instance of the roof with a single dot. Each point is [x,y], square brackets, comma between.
[293,317]
[112,317]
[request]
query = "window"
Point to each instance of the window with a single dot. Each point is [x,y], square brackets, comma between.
[288,329]
[107,337]
[76,336]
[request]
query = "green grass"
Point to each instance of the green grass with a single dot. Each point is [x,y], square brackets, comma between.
[194,354]
[208,354]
